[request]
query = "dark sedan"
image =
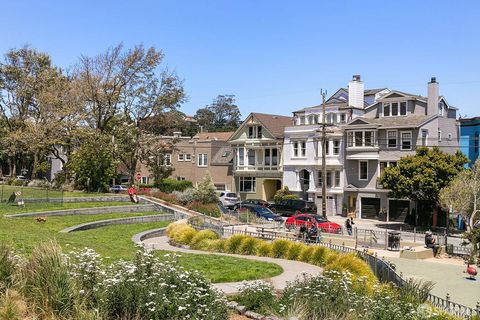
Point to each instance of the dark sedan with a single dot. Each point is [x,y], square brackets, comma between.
[262,212]
[290,207]
[249,202]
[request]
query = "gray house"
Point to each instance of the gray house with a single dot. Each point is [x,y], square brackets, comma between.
[393,127]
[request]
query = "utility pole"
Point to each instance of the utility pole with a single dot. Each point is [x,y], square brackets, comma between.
[324,155]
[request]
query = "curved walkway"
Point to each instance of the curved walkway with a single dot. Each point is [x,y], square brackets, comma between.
[291,269]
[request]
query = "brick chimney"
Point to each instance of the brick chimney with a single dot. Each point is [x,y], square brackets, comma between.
[356,92]
[432,98]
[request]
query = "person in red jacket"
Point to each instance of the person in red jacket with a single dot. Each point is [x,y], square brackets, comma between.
[132,192]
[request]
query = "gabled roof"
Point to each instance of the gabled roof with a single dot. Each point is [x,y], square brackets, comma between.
[397,94]
[208,136]
[275,124]
[370,92]
[413,121]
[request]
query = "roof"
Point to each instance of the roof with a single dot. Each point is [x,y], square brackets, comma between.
[369,92]
[224,156]
[275,124]
[392,122]
[221,136]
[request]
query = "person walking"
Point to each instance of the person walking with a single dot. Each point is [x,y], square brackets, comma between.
[349,225]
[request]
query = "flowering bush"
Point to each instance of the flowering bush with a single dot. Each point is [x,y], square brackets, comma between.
[256,296]
[145,289]
[210,209]
[9,264]
[168,197]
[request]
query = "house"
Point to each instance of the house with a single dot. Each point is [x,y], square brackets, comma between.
[192,157]
[257,148]
[302,160]
[469,138]
[391,127]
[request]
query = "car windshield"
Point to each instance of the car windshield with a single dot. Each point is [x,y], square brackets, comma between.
[231,195]
[320,219]
[263,210]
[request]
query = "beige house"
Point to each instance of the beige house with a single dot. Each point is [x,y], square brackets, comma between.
[257,146]
[193,157]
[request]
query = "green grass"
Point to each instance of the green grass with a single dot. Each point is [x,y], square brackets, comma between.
[25,233]
[50,206]
[220,268]
[42,193]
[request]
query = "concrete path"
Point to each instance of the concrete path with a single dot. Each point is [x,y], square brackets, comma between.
[291,269]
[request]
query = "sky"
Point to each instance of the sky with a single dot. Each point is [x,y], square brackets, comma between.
[274,56]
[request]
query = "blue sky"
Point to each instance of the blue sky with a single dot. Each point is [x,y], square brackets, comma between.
[273,55]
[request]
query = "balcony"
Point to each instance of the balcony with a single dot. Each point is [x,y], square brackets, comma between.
[257,167]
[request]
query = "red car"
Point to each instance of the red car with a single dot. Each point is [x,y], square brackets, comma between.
[306,219]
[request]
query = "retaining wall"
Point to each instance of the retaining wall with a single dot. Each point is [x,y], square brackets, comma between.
[128,220]
[139,237]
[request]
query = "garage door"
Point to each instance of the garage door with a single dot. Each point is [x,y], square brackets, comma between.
[398,210]
[370,208]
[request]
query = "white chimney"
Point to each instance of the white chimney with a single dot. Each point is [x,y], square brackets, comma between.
[355,92]
[432,98]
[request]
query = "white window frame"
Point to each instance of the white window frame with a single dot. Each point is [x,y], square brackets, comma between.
[336,149]
[180,178]
[270,157]
[181,157]
[344,116]
[242,184]
[360,171]
[389,105]
[353,142]
[299,149]
[257,132]
[167,160]
[144,180]
[337,179]
[241,156]
[401,140]
[439,135]
[426,137]
[202,160]
[400,108]
[396,139]
[188,157]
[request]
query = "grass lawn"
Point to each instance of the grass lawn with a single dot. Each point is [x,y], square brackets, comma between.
[220,268]
[42,193]
[50,206]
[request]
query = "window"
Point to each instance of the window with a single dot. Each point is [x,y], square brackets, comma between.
[439,136]
[449,137]
[403,108]
[167,160]
[145,180]
[342,118]
[363,170]
[329,179]
[202,160]
[386,109]
[386,164]
[181,178]
[319,179]
[254,132]
[220,186]
[350,139]
[247,184]
[181,157]
[301,120]
[392,139]
[358,139]
[327,147]
[361,139]
[368,138]
[188,157]
[251,157]
[440,109]
[336,147]
[337,179]
[271,157]
[299,149]
[424,137]
[241,156]
[406,140]
[395,109]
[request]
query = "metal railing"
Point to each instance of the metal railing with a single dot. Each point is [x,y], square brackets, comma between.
[15,194]
[383,270]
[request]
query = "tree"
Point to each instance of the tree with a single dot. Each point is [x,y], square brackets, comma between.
[155,156]
[92,163]
[205,190]
[420,177]
[463,194]
[122,88]
[169,122]
[222,115]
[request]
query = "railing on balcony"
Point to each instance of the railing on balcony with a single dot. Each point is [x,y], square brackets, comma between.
[258,167]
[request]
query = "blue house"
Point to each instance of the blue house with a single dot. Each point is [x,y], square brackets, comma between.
[469,138]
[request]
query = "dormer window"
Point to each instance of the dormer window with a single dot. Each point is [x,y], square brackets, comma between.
[301,120]
[395,109]
[440,109]
[255,132]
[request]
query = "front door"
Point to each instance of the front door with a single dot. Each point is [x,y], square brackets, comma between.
[304,183]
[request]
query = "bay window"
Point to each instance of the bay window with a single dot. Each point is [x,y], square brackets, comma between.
[247,184]
[361,139]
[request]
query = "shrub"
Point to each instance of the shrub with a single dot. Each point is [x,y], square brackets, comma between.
[354,265]
[279,248]
[48,285]
[12,306]
[217,245]
[39,183]
[171,228]
[284,194]
[294,250]
[210,209]
[319,255]
[186,196]
[168,185]
[264,249]
[233,243]
[170,198]
[8,267]
[183,234]
[256,296]
[206,190]
[306,254]
[202,235]
[249,246]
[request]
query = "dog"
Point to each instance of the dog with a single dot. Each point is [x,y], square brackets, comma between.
[41,219]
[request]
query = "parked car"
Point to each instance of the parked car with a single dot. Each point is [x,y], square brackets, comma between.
[228,199]
[290,207]
[118,189]
[262,212]
[256,202]
[305,219]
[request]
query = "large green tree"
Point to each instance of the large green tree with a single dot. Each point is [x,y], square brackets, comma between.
[221,115]
[420,177]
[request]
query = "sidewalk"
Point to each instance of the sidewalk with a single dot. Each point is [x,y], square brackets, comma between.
[291,269]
